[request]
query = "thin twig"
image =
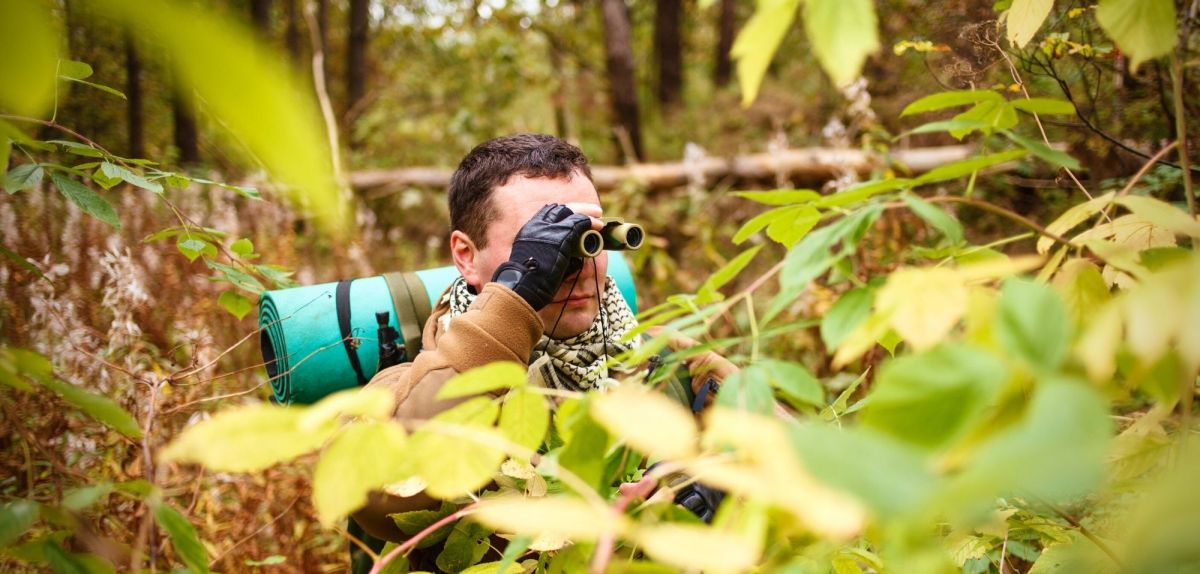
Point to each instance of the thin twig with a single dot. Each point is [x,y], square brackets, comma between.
[604,546]
[383,562]
[1089,535]
[1181,131]
[1004,213]
[318,66]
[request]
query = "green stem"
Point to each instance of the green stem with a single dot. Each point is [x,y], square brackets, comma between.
[1181,131]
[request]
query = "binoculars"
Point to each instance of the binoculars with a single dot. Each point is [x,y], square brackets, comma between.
[616,235]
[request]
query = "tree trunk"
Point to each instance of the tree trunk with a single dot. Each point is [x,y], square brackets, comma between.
[668,50]
[622,88]
[185,127]
[356,64]
[133,93]
[291,34]
[260,16]
[726,24]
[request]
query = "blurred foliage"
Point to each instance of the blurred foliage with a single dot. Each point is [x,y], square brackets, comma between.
[967,387]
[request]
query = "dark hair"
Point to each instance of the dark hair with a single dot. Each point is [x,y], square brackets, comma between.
[492,163]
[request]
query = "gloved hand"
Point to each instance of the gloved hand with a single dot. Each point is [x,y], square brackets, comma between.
[541,254]
[700,499]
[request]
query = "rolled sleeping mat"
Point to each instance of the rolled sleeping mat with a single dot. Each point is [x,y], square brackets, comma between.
[319,339]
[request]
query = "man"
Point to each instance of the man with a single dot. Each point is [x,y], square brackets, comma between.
[517,205]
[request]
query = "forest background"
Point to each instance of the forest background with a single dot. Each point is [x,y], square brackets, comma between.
[1013,425]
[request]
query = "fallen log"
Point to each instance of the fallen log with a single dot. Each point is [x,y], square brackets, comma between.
[804,164]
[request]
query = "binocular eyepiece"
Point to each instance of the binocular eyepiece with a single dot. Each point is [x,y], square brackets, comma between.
[616,235]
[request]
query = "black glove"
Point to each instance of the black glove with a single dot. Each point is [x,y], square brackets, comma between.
[701,500]
[541,254]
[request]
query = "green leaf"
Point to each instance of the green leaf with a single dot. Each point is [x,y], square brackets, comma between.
[757,223]
[24,176]
[847,314]
[76,148]
[29,44]
[1056,452]
[779,196]
[794,381]
[931,398]
[891,477]
[192,247]
[524,418]
[1032,323]
[236,303]
[235,276]
[63,562]
[1044,106]
[242,247]
[934,216]
[74,70]
[1024,19]
[114,171]
[247,439]
[1043,151]
[365,456]
[951,99]
[495,567]
[23,262]
[966,167]
[843,33]
[183,537]
[727,272]
[412,523]
[757,42]
[1143,29]
[248,90]
[99,407]
[861,192]
[748,389]
[516,547]
[268,561]
[793,224]
[101,87]
[5,150]
[998,114]
[87,200]
[947,126]
[465,546]
[490,377]
[586,439]
[15,518]
[474,463]
[80,498]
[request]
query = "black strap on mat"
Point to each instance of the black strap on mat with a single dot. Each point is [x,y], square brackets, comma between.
[342,301]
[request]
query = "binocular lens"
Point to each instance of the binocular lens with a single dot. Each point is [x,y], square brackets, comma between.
[591,243]
[634,236]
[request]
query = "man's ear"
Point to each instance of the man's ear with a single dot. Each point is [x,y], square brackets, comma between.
[466,255]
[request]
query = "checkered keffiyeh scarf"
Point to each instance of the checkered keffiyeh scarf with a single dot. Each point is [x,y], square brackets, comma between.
[576,363]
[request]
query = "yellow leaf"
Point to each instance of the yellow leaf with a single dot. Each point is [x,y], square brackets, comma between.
[1072,217]
[862,338]
[492,376]
[525,418]
[1097,348]
[364,457]
[457,455]
[648,421]
[370,402]
[494,568]
[924,304]
[766,468]
[998,267]
[691,547]
[247,439]
[563,515]
[1162,214]
[1024,19]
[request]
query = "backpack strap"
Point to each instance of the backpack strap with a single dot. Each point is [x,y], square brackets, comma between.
[342,303]
[412,308]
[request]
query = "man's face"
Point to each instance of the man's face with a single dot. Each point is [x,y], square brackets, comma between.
[515,203]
